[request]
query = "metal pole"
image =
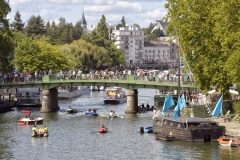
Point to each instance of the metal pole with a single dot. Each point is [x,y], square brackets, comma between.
[178,68]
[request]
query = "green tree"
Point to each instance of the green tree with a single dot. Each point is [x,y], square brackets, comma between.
[33,55]
[35,26]
[17,25]
[78,30]
[6,44]
[208,32]
[123,22]
[102,29]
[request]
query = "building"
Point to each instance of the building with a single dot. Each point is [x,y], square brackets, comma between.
[131,40]
[162,25]
[84,22]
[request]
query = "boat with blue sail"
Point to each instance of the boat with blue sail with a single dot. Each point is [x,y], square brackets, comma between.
[194,129]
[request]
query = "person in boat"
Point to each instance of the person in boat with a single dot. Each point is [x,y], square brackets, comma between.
[45,129]
[94,110]
[111,113]
[89,110]
[102,126]
[114,114]
[148,106]
[69,107]
[34,130]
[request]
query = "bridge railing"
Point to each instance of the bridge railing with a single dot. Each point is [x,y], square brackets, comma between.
[122,77]
[46,78]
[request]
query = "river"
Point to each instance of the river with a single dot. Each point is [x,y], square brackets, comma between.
[75,137]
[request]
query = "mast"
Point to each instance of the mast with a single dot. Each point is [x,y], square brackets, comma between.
[179,67]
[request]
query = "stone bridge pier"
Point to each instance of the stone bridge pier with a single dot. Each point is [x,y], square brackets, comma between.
[132,101]
[50,100]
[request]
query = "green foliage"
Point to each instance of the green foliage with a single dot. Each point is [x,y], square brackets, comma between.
[35,26]
[211,30]
[6,45]
[17,25]
[33,55]
[236,106]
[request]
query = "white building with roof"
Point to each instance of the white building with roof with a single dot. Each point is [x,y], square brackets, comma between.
[131,40]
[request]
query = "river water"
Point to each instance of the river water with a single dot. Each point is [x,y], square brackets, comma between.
[74,136]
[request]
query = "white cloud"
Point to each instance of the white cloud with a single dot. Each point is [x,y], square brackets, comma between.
[104,2]
[118,7]
[155,14]
[17,2]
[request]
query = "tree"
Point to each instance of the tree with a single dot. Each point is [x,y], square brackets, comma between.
[102,29]
[33,55]
[123,22]
[17,25]
[78,30]
[6,44]
[35,26]
[208,44]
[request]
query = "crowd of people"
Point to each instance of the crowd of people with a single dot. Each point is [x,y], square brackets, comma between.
[77,74]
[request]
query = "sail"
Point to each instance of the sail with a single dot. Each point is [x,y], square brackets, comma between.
[168,102]
[177,108]
[218,108]
[183,102]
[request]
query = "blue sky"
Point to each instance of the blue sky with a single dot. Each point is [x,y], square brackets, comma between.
[142,12]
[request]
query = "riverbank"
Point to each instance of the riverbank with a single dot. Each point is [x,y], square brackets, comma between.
[232,128]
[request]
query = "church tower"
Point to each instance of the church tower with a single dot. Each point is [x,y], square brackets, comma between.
[84,22]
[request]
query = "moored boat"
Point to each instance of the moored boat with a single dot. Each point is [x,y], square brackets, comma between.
[193,129]
[28,119]
[228,141]
[145,130]
[115,95]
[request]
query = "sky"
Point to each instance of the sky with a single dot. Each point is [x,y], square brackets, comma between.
[142,12]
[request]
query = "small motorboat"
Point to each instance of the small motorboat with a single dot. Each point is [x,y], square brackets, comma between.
[102,130]
[145,130]
[26,118]
[91,112]
[228,141]
[71,110]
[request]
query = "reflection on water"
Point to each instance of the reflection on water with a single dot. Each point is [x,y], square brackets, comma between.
[74,136]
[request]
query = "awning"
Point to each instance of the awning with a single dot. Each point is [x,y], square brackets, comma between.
[233,92]
[212,91]
[230,91]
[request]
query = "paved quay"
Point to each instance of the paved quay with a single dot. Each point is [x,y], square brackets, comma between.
[232,128]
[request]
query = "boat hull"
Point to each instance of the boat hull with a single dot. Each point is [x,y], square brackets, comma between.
[196,130]
[71,110]
[102,130]
[114,100]
[228,141]
[145,130]
[27,121]
[91,114]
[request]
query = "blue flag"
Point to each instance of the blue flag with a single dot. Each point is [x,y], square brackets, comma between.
[168,102]
[183,102]
[218,108]
[177,108]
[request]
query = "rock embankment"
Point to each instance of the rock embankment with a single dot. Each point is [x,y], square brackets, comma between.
[232,128]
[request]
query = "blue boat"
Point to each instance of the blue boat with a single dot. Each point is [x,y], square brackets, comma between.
[146,130]
[91,113]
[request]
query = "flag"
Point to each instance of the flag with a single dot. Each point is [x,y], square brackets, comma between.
[218,108]
[183,102]
[168,102]
[177,108]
